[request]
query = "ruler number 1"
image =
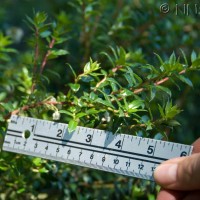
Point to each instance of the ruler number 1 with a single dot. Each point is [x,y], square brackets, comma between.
[33,126]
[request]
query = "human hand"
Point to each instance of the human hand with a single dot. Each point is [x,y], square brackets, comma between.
[180,177]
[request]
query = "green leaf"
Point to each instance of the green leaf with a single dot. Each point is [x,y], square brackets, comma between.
[75,87]
[161,110]
[129,80]
[30,20]
[193,56]
[66,112]
[122,57]
[173,123]
[45,34]
[149,125]
[87,67]
[104,102]
[93,96]
[56,53]
[40,18]
[184,56]
[43,170]
[21,190]
[125,92]
[37,161]
[171,111]
[185,80]
[91,66]
[172,58]
[159,58]
[81,114]
[164,89]
[8,106]
[152,92]
[93,111]
[136,104]
[196,63]
[74,73]
[87,78]
[138,78]
[109,58]
[72,126]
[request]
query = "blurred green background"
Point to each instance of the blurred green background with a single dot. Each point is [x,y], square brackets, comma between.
[91,27]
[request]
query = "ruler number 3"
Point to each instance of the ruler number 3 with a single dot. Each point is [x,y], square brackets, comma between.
[89,138]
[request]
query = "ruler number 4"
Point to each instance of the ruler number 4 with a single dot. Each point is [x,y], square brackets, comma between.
[118,144]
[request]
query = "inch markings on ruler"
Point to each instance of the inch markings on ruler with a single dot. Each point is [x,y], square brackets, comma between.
[98,149]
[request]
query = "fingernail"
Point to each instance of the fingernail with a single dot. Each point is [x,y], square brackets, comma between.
[165,174]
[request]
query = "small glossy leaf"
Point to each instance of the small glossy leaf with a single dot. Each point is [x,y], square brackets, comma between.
[104,102]
[159,58]
[72,126]
[185,80]
[136,104]
[173,123]
[37,161]
[165,89]
[55,53]
[75,87]
[193,56]
[45,34]
[152,92]
[66,112]
[161,110]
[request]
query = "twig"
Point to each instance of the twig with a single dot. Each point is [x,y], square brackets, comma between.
[136,91]
[27,107]
[36,55]
[34,105]
[44,62]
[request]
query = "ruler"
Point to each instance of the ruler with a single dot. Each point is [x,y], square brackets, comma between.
[99,149]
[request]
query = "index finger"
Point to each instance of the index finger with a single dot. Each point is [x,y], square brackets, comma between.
[196,146]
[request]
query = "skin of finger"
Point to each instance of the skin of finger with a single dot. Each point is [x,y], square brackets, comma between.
[170,195]
[196,146]
[194,195]
[196,149]
[188,176]
[176,195]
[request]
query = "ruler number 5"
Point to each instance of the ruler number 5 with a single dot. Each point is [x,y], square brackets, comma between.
[150,149]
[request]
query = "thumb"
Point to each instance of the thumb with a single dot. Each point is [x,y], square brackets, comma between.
[179,173]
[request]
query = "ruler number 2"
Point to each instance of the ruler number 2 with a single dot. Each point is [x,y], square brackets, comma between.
[59,134]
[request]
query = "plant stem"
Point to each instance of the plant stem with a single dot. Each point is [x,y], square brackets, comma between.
[139,90]
[36,55]
[34,105]
[44,62]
